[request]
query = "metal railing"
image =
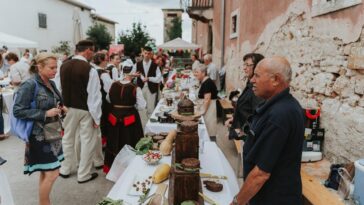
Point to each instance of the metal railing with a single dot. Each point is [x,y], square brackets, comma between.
[196,4]
[199,4]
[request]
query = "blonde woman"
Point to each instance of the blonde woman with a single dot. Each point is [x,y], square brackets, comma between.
[41,155]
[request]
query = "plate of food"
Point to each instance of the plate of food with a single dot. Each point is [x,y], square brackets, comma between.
[140,185]
[166,108]
[186,72]
[152,158]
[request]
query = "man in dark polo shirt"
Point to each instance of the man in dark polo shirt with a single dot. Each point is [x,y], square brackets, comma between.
[272,152]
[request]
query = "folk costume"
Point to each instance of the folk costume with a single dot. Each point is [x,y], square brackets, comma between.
[125,123]
[84,105]
[150,89]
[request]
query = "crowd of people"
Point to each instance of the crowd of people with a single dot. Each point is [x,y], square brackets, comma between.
[100,99]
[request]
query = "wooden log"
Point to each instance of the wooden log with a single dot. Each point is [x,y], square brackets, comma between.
[186,146]
[183,185]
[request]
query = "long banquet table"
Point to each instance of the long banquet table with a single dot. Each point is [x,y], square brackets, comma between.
[8,104]
[211,157]
[156,127]
[212,160]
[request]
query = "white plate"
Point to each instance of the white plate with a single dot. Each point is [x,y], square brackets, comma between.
[166,108]
[136,187]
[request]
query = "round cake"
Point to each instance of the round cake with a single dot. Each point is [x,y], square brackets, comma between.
[213,186]
[189,202]
[190,163]
[188,126]
[156,138]
[185,107]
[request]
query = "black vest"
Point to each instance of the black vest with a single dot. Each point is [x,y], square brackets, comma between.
[74,79]
[109,69]
[153,87]
[105,107]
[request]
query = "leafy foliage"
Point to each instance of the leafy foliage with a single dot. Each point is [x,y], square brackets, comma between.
[135,39]
[100,36]
[63,47]
[176,30]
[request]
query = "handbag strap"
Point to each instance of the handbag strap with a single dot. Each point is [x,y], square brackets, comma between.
[33,103]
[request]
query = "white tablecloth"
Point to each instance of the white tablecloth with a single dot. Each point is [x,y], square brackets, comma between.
[5,194]
[8,104]
[156,127]
[212,161]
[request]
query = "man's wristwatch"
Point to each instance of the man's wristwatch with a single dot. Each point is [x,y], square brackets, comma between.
[235,200]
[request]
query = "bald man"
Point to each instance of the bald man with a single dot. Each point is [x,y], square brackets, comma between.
[273,149]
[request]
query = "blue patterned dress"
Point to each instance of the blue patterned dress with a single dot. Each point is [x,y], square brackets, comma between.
[40,155]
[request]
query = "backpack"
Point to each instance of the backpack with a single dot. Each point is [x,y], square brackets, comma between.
[20,127]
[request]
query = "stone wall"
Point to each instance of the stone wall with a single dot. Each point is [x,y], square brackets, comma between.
[327,73]
[323,77]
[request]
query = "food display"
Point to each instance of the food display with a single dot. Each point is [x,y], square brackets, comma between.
[166,146]
[189,202]
[108,201]
[185,182]
[186,107]
[144,145]
[190,163]
[140,185]
[213,186]
[161,173]
[169,101]
[152,157]
[157,139]
[188,126]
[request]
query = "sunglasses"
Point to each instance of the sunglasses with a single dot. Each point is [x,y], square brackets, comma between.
[247,127]
[247,65]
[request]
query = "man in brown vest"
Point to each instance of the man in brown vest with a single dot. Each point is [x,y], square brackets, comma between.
[81,93]
[149,78]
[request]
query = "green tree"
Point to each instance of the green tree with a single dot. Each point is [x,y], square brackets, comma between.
[135,39]
[99,35]
[176,29]
[64,47]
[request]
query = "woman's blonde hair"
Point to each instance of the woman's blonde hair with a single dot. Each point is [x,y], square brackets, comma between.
[41,59]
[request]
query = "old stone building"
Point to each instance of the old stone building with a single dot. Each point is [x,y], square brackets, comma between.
[322,39]
[168,16]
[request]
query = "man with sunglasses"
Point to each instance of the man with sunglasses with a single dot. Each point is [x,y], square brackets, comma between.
[273,149]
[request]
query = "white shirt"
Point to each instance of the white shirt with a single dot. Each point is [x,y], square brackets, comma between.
[158,75]
[114,72]
[94,97]
[105,78]
[57,78]
[25,60]
[195,65]
[212,71]
[140,101]
[19,72]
